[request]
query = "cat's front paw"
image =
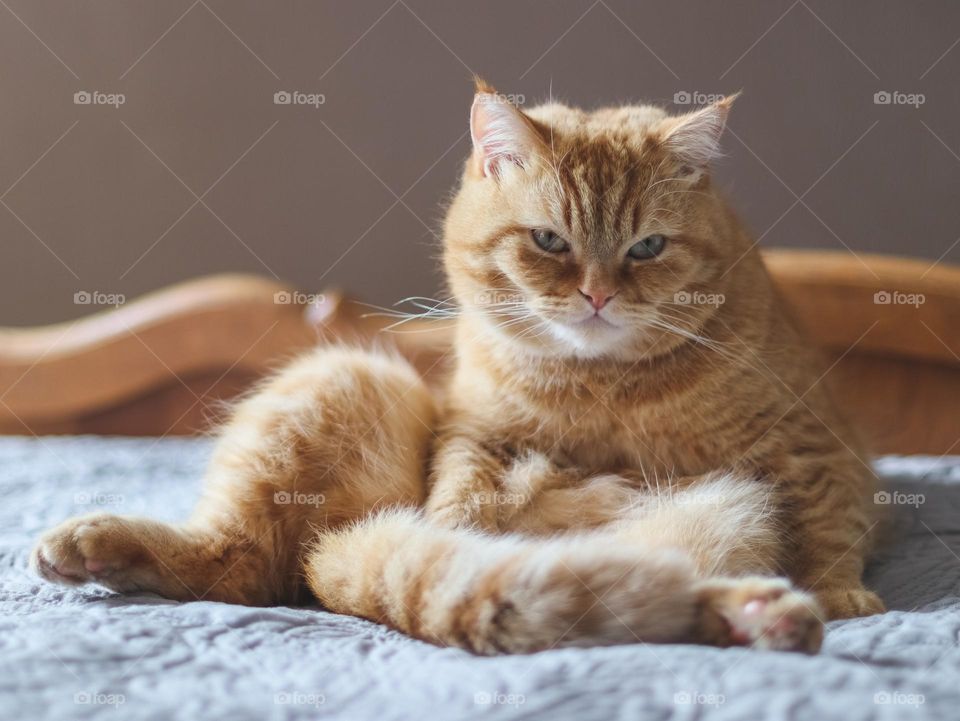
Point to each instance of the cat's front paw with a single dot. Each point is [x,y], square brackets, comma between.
[763,613]
[840,603]
[90,548]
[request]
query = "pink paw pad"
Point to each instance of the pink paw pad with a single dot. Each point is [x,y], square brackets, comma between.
[58,569]
[94,566]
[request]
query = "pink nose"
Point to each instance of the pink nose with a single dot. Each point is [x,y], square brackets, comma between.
[598,299]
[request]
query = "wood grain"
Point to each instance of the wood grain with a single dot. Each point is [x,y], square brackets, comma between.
[167,362]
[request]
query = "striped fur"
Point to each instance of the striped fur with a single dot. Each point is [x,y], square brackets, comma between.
[504,594]
[668,468]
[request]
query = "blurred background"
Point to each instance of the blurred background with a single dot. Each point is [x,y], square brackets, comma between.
[146,142]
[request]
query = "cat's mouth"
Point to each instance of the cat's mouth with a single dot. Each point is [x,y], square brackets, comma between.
[595,320]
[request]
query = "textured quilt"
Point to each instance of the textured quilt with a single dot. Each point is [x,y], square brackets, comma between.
[88,653]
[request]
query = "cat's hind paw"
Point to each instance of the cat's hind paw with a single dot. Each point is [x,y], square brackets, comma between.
[762,613]
[93,548]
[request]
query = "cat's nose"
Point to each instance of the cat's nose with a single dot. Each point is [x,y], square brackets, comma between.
[598,298]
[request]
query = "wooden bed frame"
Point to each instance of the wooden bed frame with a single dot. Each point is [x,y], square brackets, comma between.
[165,363]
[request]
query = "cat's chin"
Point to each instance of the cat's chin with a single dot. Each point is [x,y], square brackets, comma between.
[591,338]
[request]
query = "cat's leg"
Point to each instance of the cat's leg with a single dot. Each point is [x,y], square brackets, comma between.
[528,494]
[335,435]
[473,484]
[831,531]
[185,563]
[726,524]
[464,481]
[649,577]
[493,594]
[516,594]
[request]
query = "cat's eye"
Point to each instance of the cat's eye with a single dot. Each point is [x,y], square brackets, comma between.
[649,247]
[549,241]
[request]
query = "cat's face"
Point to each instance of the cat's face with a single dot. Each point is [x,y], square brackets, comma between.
[588,235]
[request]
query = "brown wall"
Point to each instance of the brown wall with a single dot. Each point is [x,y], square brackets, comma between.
[347,193]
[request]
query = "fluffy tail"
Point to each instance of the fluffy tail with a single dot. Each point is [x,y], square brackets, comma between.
[495,595]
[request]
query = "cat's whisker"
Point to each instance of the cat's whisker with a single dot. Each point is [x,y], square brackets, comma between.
[405,317]
[708,343]
[399,313]
[682,313]
[424,299]
[394,329]
[654,216]
[655,184]
[692,335]
[691,192]
[514,321]
[403,321]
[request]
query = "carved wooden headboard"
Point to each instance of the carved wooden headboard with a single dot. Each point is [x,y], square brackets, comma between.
[164,363]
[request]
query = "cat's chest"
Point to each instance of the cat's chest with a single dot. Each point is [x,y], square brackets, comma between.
[652,437]
[680,424]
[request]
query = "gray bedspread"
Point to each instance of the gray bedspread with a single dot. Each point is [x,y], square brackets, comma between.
[87,653]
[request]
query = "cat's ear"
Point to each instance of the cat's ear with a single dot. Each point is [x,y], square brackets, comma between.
[501,133]
[694,139]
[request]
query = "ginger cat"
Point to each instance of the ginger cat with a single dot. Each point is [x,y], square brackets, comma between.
[634,444]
